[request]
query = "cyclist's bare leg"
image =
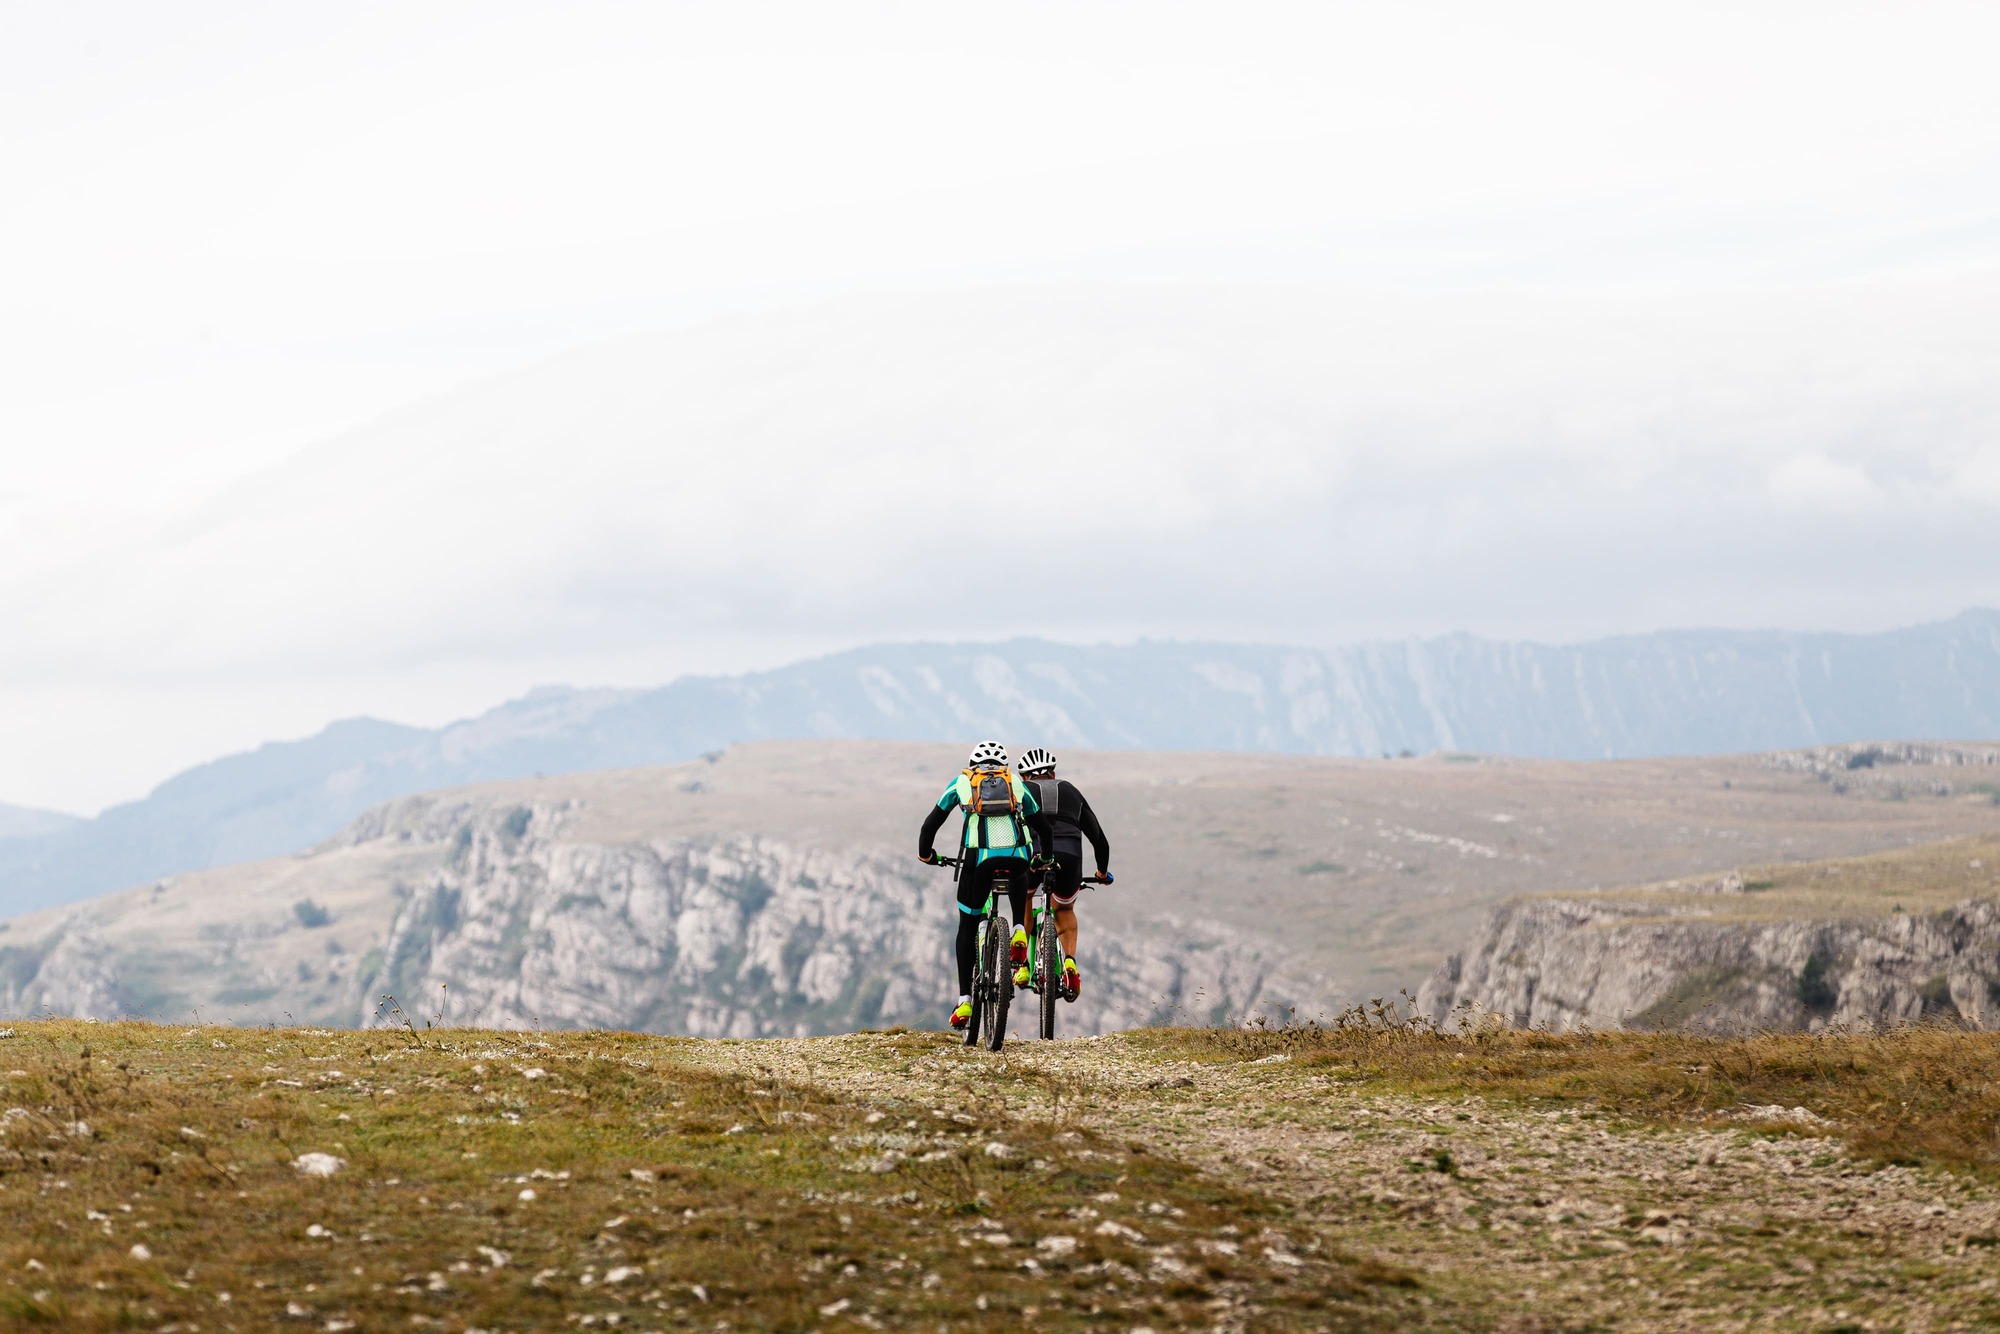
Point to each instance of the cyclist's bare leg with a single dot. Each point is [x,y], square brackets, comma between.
[1066,928]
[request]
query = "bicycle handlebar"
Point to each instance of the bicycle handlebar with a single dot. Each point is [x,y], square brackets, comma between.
[960,861]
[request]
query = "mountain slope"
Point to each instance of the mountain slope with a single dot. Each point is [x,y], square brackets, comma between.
[1681,692]
[774,887]
[27,822]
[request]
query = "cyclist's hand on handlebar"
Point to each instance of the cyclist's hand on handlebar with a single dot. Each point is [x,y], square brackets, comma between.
[1105,877]
[928,858]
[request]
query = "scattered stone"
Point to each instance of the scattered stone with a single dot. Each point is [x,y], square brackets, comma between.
[318,1164]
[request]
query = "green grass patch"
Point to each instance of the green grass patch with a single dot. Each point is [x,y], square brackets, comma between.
[508,1181]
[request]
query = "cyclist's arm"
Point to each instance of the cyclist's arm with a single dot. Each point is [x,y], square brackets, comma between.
[927,836]
[1099,844]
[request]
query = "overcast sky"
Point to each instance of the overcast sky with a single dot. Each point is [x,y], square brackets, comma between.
[1291,323]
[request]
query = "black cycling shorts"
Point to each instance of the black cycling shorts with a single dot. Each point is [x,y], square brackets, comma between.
[1066,878]
[976,882]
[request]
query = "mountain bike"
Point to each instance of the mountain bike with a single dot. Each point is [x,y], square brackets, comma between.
[993,971]
[1045,955]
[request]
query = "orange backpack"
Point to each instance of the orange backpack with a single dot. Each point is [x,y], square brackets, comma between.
[992,792]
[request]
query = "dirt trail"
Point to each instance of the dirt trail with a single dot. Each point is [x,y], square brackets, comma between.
[1519,1219]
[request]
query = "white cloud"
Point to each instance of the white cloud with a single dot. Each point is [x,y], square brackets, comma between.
[1305,323]
[1815,482]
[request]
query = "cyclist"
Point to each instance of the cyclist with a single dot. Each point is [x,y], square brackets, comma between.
[993,843]
[1073,821]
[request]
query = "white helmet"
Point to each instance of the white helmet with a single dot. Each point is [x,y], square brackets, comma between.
[1036,759]
[987,754]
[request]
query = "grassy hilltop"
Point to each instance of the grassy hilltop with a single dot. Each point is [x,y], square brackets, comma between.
[1367,1178]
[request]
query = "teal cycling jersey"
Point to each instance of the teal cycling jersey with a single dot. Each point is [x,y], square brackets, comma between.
[990,836]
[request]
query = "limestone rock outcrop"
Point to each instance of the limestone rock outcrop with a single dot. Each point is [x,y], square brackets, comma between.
[743,937]
[1564,962]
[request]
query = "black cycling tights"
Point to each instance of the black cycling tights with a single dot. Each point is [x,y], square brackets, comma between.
[974,883]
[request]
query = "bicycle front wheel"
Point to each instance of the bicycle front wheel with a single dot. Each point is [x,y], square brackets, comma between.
[981,983]
[1000,980]
[1048,970]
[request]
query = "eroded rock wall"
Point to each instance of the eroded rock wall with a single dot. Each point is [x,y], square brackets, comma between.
[747,937]
[1567,962]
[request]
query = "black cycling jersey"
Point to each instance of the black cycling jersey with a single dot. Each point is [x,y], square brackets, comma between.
[1072,819]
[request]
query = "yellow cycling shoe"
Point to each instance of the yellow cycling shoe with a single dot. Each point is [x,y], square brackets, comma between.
[962,1015]
[1021,976]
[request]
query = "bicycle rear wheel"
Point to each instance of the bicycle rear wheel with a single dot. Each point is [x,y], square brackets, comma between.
[1048,970]
[980,974]
[999,981]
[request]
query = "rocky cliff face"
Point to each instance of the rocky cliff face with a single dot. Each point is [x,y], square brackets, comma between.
[1574,961]
[742,937]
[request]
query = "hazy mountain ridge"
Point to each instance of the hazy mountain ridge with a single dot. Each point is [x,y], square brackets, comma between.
[1678,692]
[27,822]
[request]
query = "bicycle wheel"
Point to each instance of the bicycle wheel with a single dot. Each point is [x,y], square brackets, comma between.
[1001,973]
[1048,970]
[979,976]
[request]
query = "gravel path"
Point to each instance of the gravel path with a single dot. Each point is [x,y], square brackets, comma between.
[1519,1219]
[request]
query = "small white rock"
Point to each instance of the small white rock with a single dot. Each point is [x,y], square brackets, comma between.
[318,1164]
[139,1251]
[1056,1245]
[622,1273]
[526,1195]
[832,1309]
[998,1150]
